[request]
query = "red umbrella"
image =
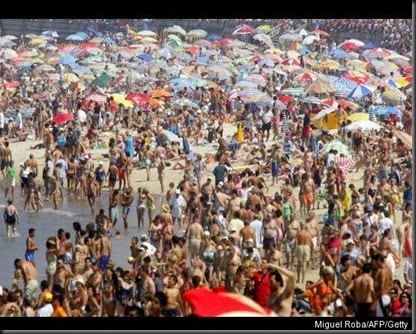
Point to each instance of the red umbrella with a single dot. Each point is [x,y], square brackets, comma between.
[138,98]
[348,46]
[408,70]
[320,32]
[192,49]
[285,98]
[62,118]
[224,42]
[290,61]
[97,98]
[244,30]
[207,303]
[255,58]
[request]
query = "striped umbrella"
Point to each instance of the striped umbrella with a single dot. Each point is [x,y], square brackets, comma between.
[295,91]
[257,78]
[361,91]
[393,96]
[320,87]
[343,87]
[311,99]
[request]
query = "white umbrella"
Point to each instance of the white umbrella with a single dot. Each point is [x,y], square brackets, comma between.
[363,125]
[325,112]
[172,137]
[266,39]
[310,39]
[147,33]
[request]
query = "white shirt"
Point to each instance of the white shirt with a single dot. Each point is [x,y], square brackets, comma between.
[267,117]
[45,311]
[19,121]
[150,248]
[257,227]
[178,206]
[1,120]
[384,224]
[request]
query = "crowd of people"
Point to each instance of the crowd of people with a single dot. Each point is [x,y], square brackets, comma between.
[299,215]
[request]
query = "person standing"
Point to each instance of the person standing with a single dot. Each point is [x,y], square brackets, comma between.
[29,273]
[31,247]
[10,179]
[177,206]
[11,217]
[2,119]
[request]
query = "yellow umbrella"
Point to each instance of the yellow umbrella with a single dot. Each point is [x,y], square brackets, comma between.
[329,64]
[359,116]
[264,28]
[120,99]
[148,40]
[29,54]
[36,41]
[52,60]
[70,78]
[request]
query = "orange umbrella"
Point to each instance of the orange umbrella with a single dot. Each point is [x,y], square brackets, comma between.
[161,93]
[192,49]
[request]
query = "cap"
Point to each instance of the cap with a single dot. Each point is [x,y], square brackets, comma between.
[194,180]
[178,192]
[369,208]
[48,297]
[31,230]
[143,237]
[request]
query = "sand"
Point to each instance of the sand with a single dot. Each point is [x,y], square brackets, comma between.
[21,151]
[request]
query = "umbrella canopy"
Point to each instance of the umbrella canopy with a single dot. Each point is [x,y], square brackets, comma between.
[161,93]
[290,37]
[393,96]
[197,33]
[348,46]
[361,91]
[147,33]
[207,303]
[145,57]
[405,138]
[336,145]
[175,30]
[378,111]
[310,40]
[311,99]
[62,118]
[359,116]
[343,87]
[97,98]
[243,30]
[363,125]
[320,87]
[173,137]
[120,99]
[75,37]
[148,39]
[324,112]
[320,33]
[266,39]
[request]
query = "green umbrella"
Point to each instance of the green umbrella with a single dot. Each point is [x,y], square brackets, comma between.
[102,81]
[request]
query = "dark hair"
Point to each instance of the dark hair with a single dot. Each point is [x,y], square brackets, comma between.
[163,299]
[278,278]
[367,268]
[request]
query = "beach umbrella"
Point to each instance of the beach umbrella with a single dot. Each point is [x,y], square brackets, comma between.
[359,116]
[343,87]
[348,46]
[320,33]
[103,80]
[50,33]
[207,303]
[310,40]
[363,125]
[120,99]
[293,55]
[257,78]
[362,90]
[339,54]
[62,118]
[329,64]
[295,91]
[46,68]
[75,37]
[8,54]
[175,30]
[264,28]
[138,98]
[356,42]
[393,96]
[305,77]
[97,98]
[385,110]
[336,145]
[290,61]
[213,37]
[357,76]
[377,53]
[320,87]
[145,57]
[324,112]
[290,37]
[243,30]
[370,45]
[311,99]
[67,60]
[147,33]
[266,39]
[404,81]
[161,93]
[173,137]
[148,40]
[197,33]
[405,138]
[193,49]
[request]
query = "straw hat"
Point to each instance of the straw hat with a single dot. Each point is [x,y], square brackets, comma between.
[166,208]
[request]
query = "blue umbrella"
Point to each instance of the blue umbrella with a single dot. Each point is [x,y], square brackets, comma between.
[379,111]
[203,60]
[110,41]
[67,60]
[343,86]
[304,50]
[213,37]
[361,91]
[74,37]
[145,57]
[370,46]
[339,54]
[82,34]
